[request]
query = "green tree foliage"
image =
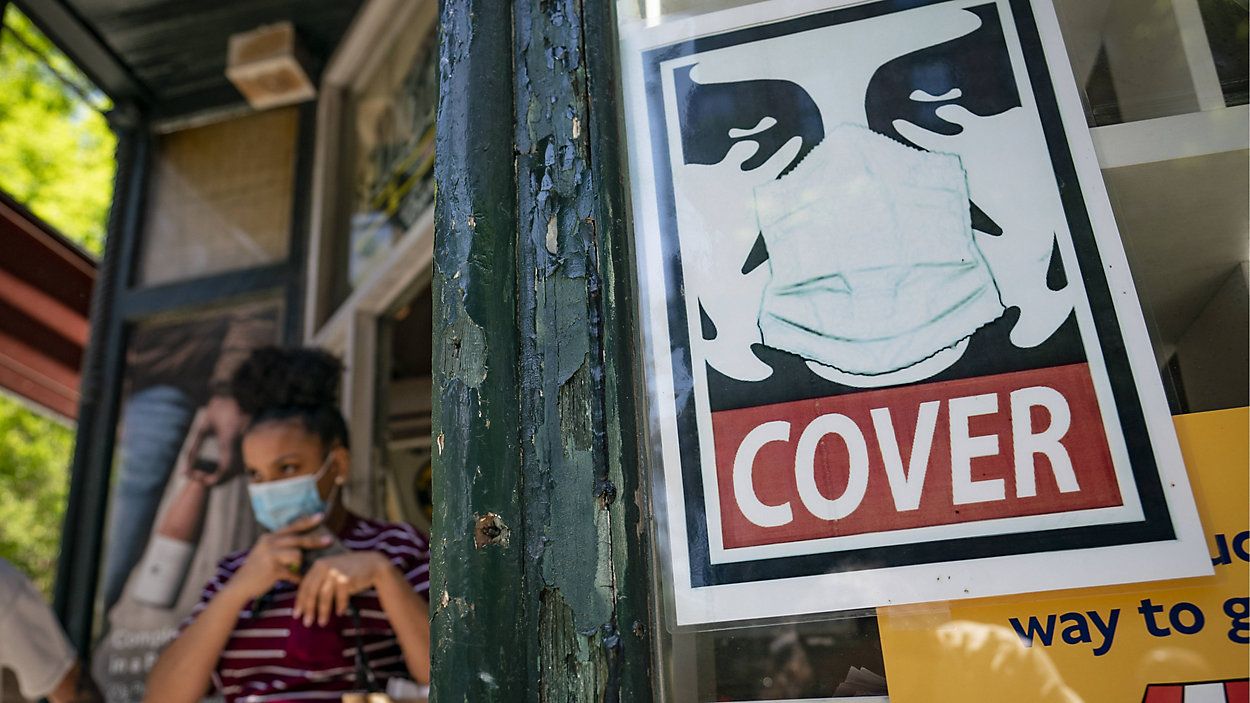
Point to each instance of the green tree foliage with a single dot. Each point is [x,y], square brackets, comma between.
[57,158]
[34,484]
[56,148]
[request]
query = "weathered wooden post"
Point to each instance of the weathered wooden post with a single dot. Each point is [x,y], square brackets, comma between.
[540,582]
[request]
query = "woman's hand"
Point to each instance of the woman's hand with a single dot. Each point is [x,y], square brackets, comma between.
[277,556]
[331,582]
[184,670]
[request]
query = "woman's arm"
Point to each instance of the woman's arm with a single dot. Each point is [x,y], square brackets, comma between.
[330,583]
[184,670]
[410,618]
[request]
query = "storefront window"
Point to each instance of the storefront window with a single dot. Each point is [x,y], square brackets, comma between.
[372,247]
[220,198]
[1139,60]
[773,131]
[389,146]
[405,391]
[1136,60]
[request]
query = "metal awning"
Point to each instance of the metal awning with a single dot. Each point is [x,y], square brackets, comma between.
[45,298]
[170,55]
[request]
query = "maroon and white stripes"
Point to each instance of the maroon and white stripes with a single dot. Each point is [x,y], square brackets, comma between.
[272,658]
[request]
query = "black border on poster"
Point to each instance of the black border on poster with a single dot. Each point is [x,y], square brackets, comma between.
[1157,523]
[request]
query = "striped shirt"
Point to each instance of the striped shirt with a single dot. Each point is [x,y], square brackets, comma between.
[272,658]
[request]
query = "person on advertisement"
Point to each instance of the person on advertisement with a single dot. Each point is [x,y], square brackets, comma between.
[178,400]
[325,601]
[179,502]
[34,648]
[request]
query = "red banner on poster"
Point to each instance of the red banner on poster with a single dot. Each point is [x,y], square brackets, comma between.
[974,449]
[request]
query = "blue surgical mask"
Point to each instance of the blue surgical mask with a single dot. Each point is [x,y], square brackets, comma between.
[277,504]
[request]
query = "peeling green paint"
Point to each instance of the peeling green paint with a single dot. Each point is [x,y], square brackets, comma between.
[464,348]
[561,323]
[533,413]
[574,664]
[478,638]
[574,415]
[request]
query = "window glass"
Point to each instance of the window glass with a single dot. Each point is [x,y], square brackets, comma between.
[1141,60]
[1136,59]
[1184,223]
[1162,85]
[389,145]
[809,660]
[1227,27]
[220,197]
[405,389]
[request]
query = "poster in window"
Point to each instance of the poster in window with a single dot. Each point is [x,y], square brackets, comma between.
[179,500]
[895,350]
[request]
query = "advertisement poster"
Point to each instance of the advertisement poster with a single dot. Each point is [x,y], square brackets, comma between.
[179,499]
[1164,642]
[895,351]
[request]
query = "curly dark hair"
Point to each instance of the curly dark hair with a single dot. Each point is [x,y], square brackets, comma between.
[279,384]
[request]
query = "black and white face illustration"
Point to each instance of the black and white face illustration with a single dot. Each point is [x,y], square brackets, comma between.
[884,220]
[871,199]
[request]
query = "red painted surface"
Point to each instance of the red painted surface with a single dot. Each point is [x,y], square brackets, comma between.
[45,299]
[773,467]
[1174,693]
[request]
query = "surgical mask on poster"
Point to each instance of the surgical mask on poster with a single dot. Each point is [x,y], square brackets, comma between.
[898,274]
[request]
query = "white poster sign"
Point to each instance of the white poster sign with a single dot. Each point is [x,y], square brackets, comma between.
[895,352]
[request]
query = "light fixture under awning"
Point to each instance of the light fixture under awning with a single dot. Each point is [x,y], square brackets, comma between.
[269,67]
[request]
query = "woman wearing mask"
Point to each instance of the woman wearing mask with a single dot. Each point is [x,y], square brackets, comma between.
[325,597]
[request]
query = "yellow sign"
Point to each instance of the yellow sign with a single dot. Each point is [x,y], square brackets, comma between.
[1118,644]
